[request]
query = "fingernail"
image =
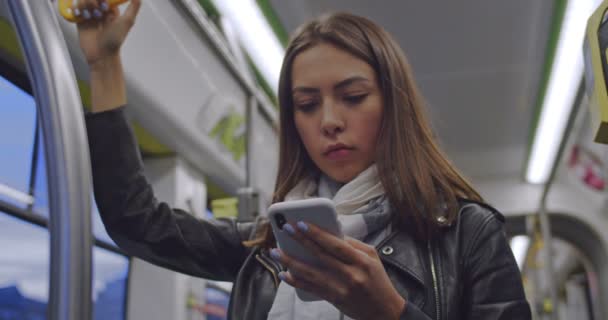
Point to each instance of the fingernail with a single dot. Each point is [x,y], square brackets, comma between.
[86,14]
[289,229]
[282,275]
[275,254]
[302,226]
[97,13]
[104,6]
[77,12]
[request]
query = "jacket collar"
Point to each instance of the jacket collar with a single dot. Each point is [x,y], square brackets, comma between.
[400,250]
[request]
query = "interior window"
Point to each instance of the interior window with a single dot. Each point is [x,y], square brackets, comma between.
[24,274]
[20,184]
[17,130]
[24,258]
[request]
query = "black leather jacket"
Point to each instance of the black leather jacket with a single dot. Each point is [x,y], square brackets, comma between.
[468,273]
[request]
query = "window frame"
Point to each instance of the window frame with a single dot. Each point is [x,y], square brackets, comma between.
[19,78]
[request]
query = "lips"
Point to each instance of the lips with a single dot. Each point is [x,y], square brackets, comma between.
[337,151]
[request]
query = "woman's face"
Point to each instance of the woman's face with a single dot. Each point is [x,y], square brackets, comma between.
[337,110]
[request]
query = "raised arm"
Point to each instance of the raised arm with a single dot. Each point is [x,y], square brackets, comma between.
[147,228]
[134,218]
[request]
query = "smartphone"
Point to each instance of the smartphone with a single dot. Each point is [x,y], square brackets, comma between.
[318,211]
[65,8]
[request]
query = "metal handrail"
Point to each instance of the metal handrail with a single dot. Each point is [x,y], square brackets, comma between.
[193,8]
[67,157]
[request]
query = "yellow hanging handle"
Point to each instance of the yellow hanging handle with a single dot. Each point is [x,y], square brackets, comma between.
[65,8]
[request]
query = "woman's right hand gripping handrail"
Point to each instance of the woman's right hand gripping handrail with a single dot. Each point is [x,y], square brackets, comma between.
[102,30]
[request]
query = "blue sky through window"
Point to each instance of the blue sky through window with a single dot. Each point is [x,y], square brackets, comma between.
[17,127]
[24,272]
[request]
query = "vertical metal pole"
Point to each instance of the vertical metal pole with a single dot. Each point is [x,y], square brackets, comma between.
[548,267]
[251,107]
[248,196]
[67,156]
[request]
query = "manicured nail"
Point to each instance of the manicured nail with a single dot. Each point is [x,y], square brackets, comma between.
[104,6]
[289,229]
[302,226]
[282,275]
[86,14]
[77,12]
[275,254]
[97,13]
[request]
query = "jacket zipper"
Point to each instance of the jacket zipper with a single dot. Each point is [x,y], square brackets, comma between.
[269,268]
[435,286]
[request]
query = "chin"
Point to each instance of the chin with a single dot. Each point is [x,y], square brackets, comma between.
[342,175]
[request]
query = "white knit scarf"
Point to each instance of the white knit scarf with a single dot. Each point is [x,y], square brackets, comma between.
[363,213]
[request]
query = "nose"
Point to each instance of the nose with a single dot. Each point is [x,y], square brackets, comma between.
[331,123]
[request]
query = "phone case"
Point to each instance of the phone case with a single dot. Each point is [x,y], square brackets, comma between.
[318,211]
[65,8]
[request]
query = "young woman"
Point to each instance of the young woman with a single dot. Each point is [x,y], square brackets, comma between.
[421,244]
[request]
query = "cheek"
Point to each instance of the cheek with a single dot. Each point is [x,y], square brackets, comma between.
[368,129]
[370,136]
[306,129]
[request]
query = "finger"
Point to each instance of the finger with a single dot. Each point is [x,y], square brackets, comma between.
[111,15]
[335,265]
[300,268]
[302,283]
[76,7]
[323,278]
[331,244]
[85,9]
[361,246]
[128,17]
[332,293]
[104,6]
[100,9]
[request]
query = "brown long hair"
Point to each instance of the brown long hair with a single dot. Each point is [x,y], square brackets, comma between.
[419,181]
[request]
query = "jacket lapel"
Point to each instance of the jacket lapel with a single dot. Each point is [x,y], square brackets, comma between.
[401,251]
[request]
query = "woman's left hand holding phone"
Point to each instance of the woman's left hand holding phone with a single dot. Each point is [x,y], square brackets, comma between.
[352,276]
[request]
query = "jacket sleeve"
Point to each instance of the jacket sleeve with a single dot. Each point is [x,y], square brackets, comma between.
[493,287]
[146,228]
[412,312]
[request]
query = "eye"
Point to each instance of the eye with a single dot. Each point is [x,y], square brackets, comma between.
[306,107]
[355,98]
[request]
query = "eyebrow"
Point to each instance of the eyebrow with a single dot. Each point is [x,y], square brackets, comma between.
[339,85]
